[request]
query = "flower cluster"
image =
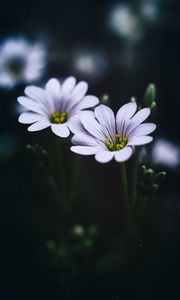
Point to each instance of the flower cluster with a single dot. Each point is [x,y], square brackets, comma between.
[63,107]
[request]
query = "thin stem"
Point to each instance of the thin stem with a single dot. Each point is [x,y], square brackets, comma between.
[133,179]
[125,195]
[60,167]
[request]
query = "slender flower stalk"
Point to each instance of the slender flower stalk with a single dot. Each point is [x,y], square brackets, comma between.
[125,195]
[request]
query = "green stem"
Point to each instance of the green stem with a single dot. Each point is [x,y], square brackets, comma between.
[125,195]
[133,179]
[60,165]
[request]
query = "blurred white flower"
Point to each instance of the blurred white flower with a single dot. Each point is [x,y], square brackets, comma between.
[125,23]
[108,137]
[21,61]
[166,153]
[149,10]
[56,106]
[91,64]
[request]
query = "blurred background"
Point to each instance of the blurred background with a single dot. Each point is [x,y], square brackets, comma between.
[118,47]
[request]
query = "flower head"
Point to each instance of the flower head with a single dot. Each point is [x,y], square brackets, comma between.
[166,153]
[20,61]
[106,136]
[57,105]
[125,22]
[90,63]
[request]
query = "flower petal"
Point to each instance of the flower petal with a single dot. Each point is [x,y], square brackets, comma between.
[105,117]
[68,86]
[87,102]
[124,154]
[54,88]
[60,130]
[139,117]
[92,126]
[84,139]
[123,116]
[78,93]
[84,150]
[142,129]
[67,89]
[104,156]
[140,140]
[31,105]
[28,118]
[75,125]
[38,126]
[35,93]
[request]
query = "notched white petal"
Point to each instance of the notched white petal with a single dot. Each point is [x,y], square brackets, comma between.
[123,117]
[31,105]
[124,154]
[92,126]
[84,139]
[87,102]
[104,156]
[143,129]
[28,118]
[140,140]
[106,118]
[68,85]
[60,130]
[35,93]
[84,150]
[54,88]
[138,118]
[77,94]
[75,125]
[38,126]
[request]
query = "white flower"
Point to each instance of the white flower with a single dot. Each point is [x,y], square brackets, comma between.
[150,10]
[57,105]
[90,63]
[106,136]
[20,62]
[166,153]
[124,22]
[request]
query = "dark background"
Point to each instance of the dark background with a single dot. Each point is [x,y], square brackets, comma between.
[28,218]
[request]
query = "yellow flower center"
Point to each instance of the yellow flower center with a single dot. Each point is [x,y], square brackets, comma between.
[58,118]
[117,143]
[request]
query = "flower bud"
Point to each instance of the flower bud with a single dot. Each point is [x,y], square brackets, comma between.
[78,231]
[159,177]
[154,188]
[148,177]
[150,95]
[105,99]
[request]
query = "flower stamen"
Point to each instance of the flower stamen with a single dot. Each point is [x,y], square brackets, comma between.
[117,143]
[58,118]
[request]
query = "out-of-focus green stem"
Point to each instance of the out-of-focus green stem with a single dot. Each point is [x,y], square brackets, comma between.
[125,195]
[133,178]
